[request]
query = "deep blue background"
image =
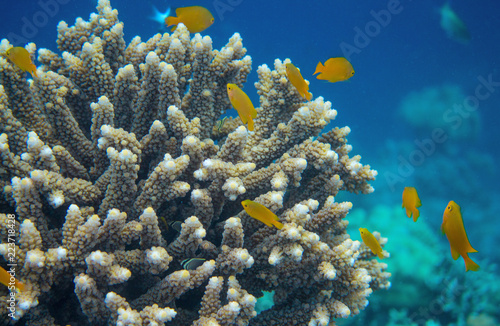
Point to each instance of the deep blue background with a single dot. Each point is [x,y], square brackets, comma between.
[412,52]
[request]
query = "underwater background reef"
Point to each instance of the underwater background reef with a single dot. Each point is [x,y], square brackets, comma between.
[123,164]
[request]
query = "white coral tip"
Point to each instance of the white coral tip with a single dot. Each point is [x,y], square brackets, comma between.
[61,253]
[208,163]
[200,233]
[277,198]
[196,194]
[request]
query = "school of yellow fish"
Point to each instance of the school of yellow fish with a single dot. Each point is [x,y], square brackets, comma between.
[452,226]
[197,19]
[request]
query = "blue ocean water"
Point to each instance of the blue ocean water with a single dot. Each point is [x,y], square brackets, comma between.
[395,47]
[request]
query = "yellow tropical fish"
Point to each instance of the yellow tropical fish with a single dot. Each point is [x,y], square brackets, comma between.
[298,81]
[241,102]
[411,202]
[21,58]
[5,280]
[371,242]
[334,70]
[196,18]
[453,227]
[261,213]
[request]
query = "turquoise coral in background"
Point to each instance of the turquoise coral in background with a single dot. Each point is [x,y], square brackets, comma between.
[428,287]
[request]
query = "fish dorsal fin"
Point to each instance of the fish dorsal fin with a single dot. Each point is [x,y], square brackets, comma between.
[184,10]
[179,11]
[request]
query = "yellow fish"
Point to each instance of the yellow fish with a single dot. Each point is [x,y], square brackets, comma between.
[298,81]
[453,227]
[371,242]
[196,18]
[5,280]
[411,202]
[334,70]
[21,58]
[261,213]
[241,102]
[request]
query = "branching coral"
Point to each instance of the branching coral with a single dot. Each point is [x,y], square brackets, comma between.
[114,146]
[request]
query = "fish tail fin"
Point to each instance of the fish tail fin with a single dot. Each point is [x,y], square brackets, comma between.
[319,68]
[278,225]
[250,124]
[172,21]
[408,211]
[469,264]
[381,255]
[416,215]
[309,96]
[158,16]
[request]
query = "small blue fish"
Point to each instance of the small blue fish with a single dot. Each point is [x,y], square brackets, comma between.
[452,24]
[192,263]
[220,124]
[176,225]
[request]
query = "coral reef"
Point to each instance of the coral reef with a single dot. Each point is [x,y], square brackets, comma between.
[428,286]
[116,168]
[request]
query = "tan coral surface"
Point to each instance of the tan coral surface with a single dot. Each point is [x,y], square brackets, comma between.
[115,169]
